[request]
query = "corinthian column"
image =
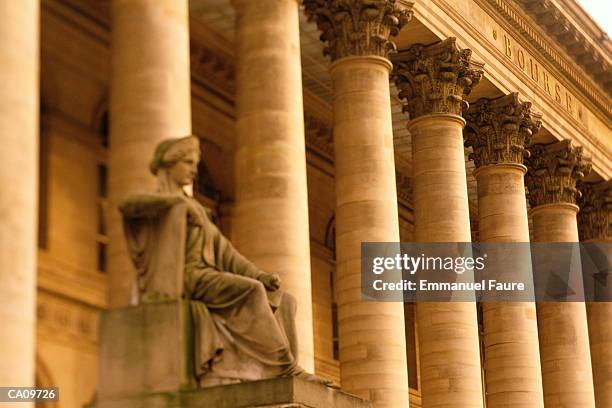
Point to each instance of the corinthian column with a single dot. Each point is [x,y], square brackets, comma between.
[498,130]
[562,326]
[150,100]
[372,339]
[434,79]
[595,225]
[270,224]
[19,104]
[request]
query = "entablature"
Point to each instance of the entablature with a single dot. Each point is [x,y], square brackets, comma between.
[518,59]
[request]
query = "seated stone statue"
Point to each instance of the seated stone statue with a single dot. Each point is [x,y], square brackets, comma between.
[233,303]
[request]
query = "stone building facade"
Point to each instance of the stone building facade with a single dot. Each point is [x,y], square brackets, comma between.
[323,123]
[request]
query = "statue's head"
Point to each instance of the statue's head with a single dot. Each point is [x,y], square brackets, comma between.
[177,160]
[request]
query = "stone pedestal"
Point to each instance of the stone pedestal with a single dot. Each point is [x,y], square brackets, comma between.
[146,361]
[285,392]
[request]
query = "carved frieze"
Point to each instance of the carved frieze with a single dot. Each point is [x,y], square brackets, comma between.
[553,171]
[319,136]
[404,188]
[498,130]
[435,78]
[357,27]
[595,216]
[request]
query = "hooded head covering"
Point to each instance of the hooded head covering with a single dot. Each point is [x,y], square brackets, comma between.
[169,151]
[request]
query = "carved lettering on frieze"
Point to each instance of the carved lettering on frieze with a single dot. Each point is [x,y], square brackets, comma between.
[553,171]
[435,78]
[595,216]
[357,27]
[498,130]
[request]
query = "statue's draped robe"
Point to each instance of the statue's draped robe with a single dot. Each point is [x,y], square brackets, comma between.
[228,304]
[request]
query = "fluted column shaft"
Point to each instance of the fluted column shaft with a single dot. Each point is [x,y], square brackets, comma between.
[372,336]
[270,225]
[19,107]
[448,332]
[562,326]
[498,131]
[150,100]
[595,225]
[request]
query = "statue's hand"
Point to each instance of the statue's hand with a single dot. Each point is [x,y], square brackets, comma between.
[270,280]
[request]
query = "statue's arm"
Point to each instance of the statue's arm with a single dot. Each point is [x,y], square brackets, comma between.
[233,261]
[148,205]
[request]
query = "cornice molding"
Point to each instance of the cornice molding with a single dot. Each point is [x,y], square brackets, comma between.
[583,82]
[213,68]
[558,26]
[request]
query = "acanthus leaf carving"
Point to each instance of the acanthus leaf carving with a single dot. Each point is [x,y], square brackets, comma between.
[498,130]
[435,78]
[357,27]
[595,216]
[553,171]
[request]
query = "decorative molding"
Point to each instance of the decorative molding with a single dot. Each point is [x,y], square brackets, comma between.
[213,68]
[357,27]
[435,78]
[595,216]
[554,21]
[553,171]
[581,81]
[404,189]
[67,319]
[498,130]
[319,136]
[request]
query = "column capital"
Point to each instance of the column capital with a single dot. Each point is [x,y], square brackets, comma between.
[435,78]
[552,172]
[498,130]
[357,27]
[595,216]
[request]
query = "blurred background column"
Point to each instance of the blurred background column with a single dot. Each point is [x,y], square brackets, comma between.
[270,224]
[19,116]
[150,100]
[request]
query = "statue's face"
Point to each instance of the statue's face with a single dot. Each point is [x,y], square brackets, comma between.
[184,171]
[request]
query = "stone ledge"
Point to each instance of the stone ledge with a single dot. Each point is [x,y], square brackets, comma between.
[276,393]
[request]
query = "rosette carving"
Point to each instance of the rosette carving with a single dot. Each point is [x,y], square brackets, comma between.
[435,78]
[595,216]
[498,130]
[553,171]
[357,27]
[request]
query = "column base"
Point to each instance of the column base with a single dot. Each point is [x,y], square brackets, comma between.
[275,393]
